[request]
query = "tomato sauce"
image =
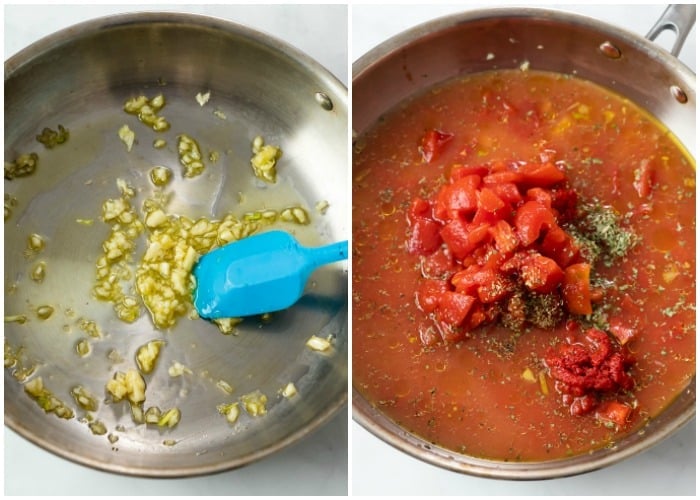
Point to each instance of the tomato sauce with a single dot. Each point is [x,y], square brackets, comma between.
[492,394]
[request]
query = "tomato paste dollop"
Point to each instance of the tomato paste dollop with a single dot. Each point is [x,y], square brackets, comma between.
[585,369]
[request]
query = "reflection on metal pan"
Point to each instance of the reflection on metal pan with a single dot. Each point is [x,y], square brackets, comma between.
[80,78]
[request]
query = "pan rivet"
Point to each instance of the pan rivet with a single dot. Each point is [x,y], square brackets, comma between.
[324,101]
[609,50]
[679,94]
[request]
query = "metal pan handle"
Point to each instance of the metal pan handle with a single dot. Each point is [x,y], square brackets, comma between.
[679,18]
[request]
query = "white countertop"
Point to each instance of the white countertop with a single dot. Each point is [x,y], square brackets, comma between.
[318,464]
[379,469]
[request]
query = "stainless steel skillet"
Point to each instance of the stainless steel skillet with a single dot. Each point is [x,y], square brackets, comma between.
[80,78]
[507,38]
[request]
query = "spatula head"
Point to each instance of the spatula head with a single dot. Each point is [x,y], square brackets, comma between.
[259,274]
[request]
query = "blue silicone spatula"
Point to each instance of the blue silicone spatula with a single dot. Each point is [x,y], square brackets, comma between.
[258,274]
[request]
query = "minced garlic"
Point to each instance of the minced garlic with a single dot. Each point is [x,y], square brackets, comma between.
[227,326]
[254,403]
[147,111]
[163,276]
[16,318]
[318,343]
[97,428]
[46,399]
[160,175]
[147,355]
[51,138]
[202,99]
[170,418]
[264,160]
[127,136]
[190,156]
[231,411]
[177,369]
[25,165]
[289,390]
[112,268]
[83,398]
[129,385]
[224,386]
[82,347]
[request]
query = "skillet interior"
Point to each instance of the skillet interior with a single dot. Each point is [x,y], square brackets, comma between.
[81,78]
[490,39]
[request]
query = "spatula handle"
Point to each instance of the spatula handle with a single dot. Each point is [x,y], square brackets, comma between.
[329,253]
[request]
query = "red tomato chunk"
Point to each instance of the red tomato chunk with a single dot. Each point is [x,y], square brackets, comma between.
[433,143]
[499,225]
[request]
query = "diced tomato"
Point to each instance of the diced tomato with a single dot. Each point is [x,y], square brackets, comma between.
[614,412]
[485,217]
[488,256]
[419,209]
[433,143]
[541,174]
[470,278]
[488,284]
[504,237]
[456,235]
[424,238]
[454,307]
[576,288]
[492,312]
[489,201]
[541,274]
[508,192]
[470,182]
[429,293]
[500,226]
[597,294]
[458,171]
[530,218]
[558,245]
[515,263]
[438,265]
[543,196]
[504,177]
[581,405]
[500,166]
[462,238]
[628,306]
[476,317]
[494,289]
[457,199]
[644,179]
[621,332]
